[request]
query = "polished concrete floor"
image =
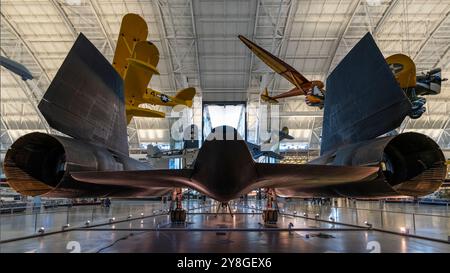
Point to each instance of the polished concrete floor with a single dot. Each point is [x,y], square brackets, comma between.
[23,224]
[207,232]
[425,220]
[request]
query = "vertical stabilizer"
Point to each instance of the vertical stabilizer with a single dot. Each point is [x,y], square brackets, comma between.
[85,99]
[363,99]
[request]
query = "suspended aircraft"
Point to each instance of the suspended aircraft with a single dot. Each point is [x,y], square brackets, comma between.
[312,90]
[258,151]
[92,158]
[16,68]
[415,87]
[135,59]
[401,65]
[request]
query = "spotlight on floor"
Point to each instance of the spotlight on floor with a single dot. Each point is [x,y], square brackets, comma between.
[305,214]
[66,226]
[368,224]
[41,230]
[87,223]
[317,216]
[112,219]
[129,216]
[295,212]
[142,222]
[404,230]
[142,214]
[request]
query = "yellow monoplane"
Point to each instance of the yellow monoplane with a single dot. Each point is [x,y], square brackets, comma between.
[312,90]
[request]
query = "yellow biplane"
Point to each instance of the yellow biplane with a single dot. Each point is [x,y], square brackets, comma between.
[135,60]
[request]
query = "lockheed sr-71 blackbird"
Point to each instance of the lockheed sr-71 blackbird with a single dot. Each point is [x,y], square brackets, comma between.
[86,102]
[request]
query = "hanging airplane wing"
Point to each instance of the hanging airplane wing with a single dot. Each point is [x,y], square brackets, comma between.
[279,66]
[319,180]
[275,175]
[85,99]
[135,60]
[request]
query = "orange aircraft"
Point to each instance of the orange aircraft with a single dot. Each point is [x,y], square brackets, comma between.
[401,65]
[312,90]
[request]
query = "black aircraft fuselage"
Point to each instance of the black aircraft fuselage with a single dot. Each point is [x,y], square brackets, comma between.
[41,164]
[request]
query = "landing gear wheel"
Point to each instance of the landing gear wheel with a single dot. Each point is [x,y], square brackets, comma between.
[178,216]
[270,216]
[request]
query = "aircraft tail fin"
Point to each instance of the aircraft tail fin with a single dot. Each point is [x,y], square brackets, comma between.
[186,94]
[265,97]
[85,99]
[363,99]
[17,68]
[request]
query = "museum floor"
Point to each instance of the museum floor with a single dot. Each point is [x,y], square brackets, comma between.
[143,226]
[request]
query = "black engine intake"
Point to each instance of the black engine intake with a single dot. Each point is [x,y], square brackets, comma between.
[410,164]
[40,164]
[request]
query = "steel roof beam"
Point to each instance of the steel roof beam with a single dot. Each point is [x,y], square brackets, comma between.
[431,34]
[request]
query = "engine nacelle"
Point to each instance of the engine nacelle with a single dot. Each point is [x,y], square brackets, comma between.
[410,164]
[39,164]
